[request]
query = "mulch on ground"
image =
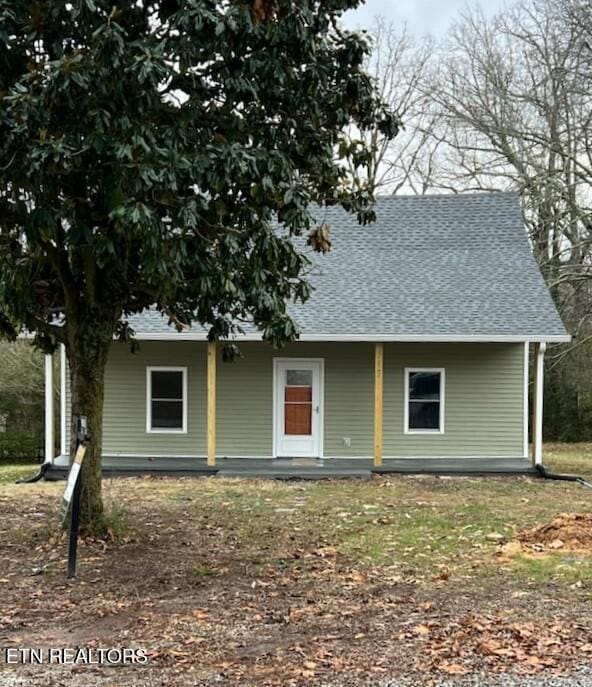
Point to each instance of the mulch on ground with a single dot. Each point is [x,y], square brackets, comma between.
[568,531]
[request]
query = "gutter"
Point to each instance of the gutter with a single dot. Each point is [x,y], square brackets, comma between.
[192,335]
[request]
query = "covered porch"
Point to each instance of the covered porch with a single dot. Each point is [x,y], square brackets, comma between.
[214,463]
[299,468]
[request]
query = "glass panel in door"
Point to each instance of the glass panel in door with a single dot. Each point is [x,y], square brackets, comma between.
[298,403]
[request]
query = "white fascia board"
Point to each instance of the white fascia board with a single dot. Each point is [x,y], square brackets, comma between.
[369,338]
[397,338]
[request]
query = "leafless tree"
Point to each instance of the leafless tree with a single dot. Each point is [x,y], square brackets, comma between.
[515,113]
[505,102]
[400,65]
[515,97]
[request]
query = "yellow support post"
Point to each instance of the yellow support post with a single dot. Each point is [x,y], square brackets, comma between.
[212,403]
[378,400]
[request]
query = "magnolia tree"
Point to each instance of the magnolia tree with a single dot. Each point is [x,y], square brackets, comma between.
[149,149]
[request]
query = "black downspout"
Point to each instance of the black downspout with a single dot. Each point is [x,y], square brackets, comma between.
[35,478]
[560,476]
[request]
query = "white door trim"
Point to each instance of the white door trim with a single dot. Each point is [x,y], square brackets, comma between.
[276,414]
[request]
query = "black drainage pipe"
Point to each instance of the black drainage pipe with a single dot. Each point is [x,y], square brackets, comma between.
[35,478]
[560,476]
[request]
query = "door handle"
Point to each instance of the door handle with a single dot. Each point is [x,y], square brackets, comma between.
[316,409]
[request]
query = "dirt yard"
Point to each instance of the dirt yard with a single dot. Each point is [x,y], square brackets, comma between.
[235,582]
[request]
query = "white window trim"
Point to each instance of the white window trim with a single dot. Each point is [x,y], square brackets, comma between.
[442,372]
[158,430]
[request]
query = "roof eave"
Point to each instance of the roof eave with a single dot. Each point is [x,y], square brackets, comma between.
[369,338]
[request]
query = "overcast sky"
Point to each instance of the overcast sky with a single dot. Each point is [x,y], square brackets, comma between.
[422,16]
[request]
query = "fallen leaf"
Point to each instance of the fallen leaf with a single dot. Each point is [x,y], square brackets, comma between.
[489,646]
[453,669]
[533,660]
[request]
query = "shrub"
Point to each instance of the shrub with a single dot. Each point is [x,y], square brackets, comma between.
[19,445]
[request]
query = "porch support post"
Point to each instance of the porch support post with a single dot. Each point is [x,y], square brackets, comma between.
[63,444]
[49,417]
[212,403]
[537,405]
[378,398]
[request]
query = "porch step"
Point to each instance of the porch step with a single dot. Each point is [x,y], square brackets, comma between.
[290,474]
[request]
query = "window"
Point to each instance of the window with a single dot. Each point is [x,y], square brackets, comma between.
[166,399]
[424,400]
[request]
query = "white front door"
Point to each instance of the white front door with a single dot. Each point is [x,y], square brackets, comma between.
[298,408]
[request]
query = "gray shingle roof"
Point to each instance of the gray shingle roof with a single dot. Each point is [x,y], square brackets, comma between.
[441,267]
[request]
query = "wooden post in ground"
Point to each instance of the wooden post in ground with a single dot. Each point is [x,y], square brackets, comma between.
[378,401]
[211,403]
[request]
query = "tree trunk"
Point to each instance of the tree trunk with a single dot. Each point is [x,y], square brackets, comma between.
[87,350]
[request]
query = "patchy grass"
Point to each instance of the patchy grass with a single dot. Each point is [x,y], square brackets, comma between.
[120,524]
[263,583]
[414,524]
[570,458]
[10,472]
[563,568]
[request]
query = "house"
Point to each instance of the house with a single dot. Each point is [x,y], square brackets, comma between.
[414,354]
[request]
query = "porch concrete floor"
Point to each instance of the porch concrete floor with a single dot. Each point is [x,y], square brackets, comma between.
[298,468]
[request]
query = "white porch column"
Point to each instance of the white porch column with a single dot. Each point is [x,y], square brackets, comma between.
[63,444]
[537,429]
[526,404]
[49,415]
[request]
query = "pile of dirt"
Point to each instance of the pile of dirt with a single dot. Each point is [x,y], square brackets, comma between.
[567,531]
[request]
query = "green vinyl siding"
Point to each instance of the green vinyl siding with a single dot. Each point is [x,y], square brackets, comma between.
[245,398]
[124,411]
[484,399]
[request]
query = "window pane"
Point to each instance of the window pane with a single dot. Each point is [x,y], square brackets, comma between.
[424,386]
[167,414]
[424,415]
[167,384]
[298,418]
[299,377]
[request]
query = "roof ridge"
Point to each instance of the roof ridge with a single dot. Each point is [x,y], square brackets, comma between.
[468,194]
